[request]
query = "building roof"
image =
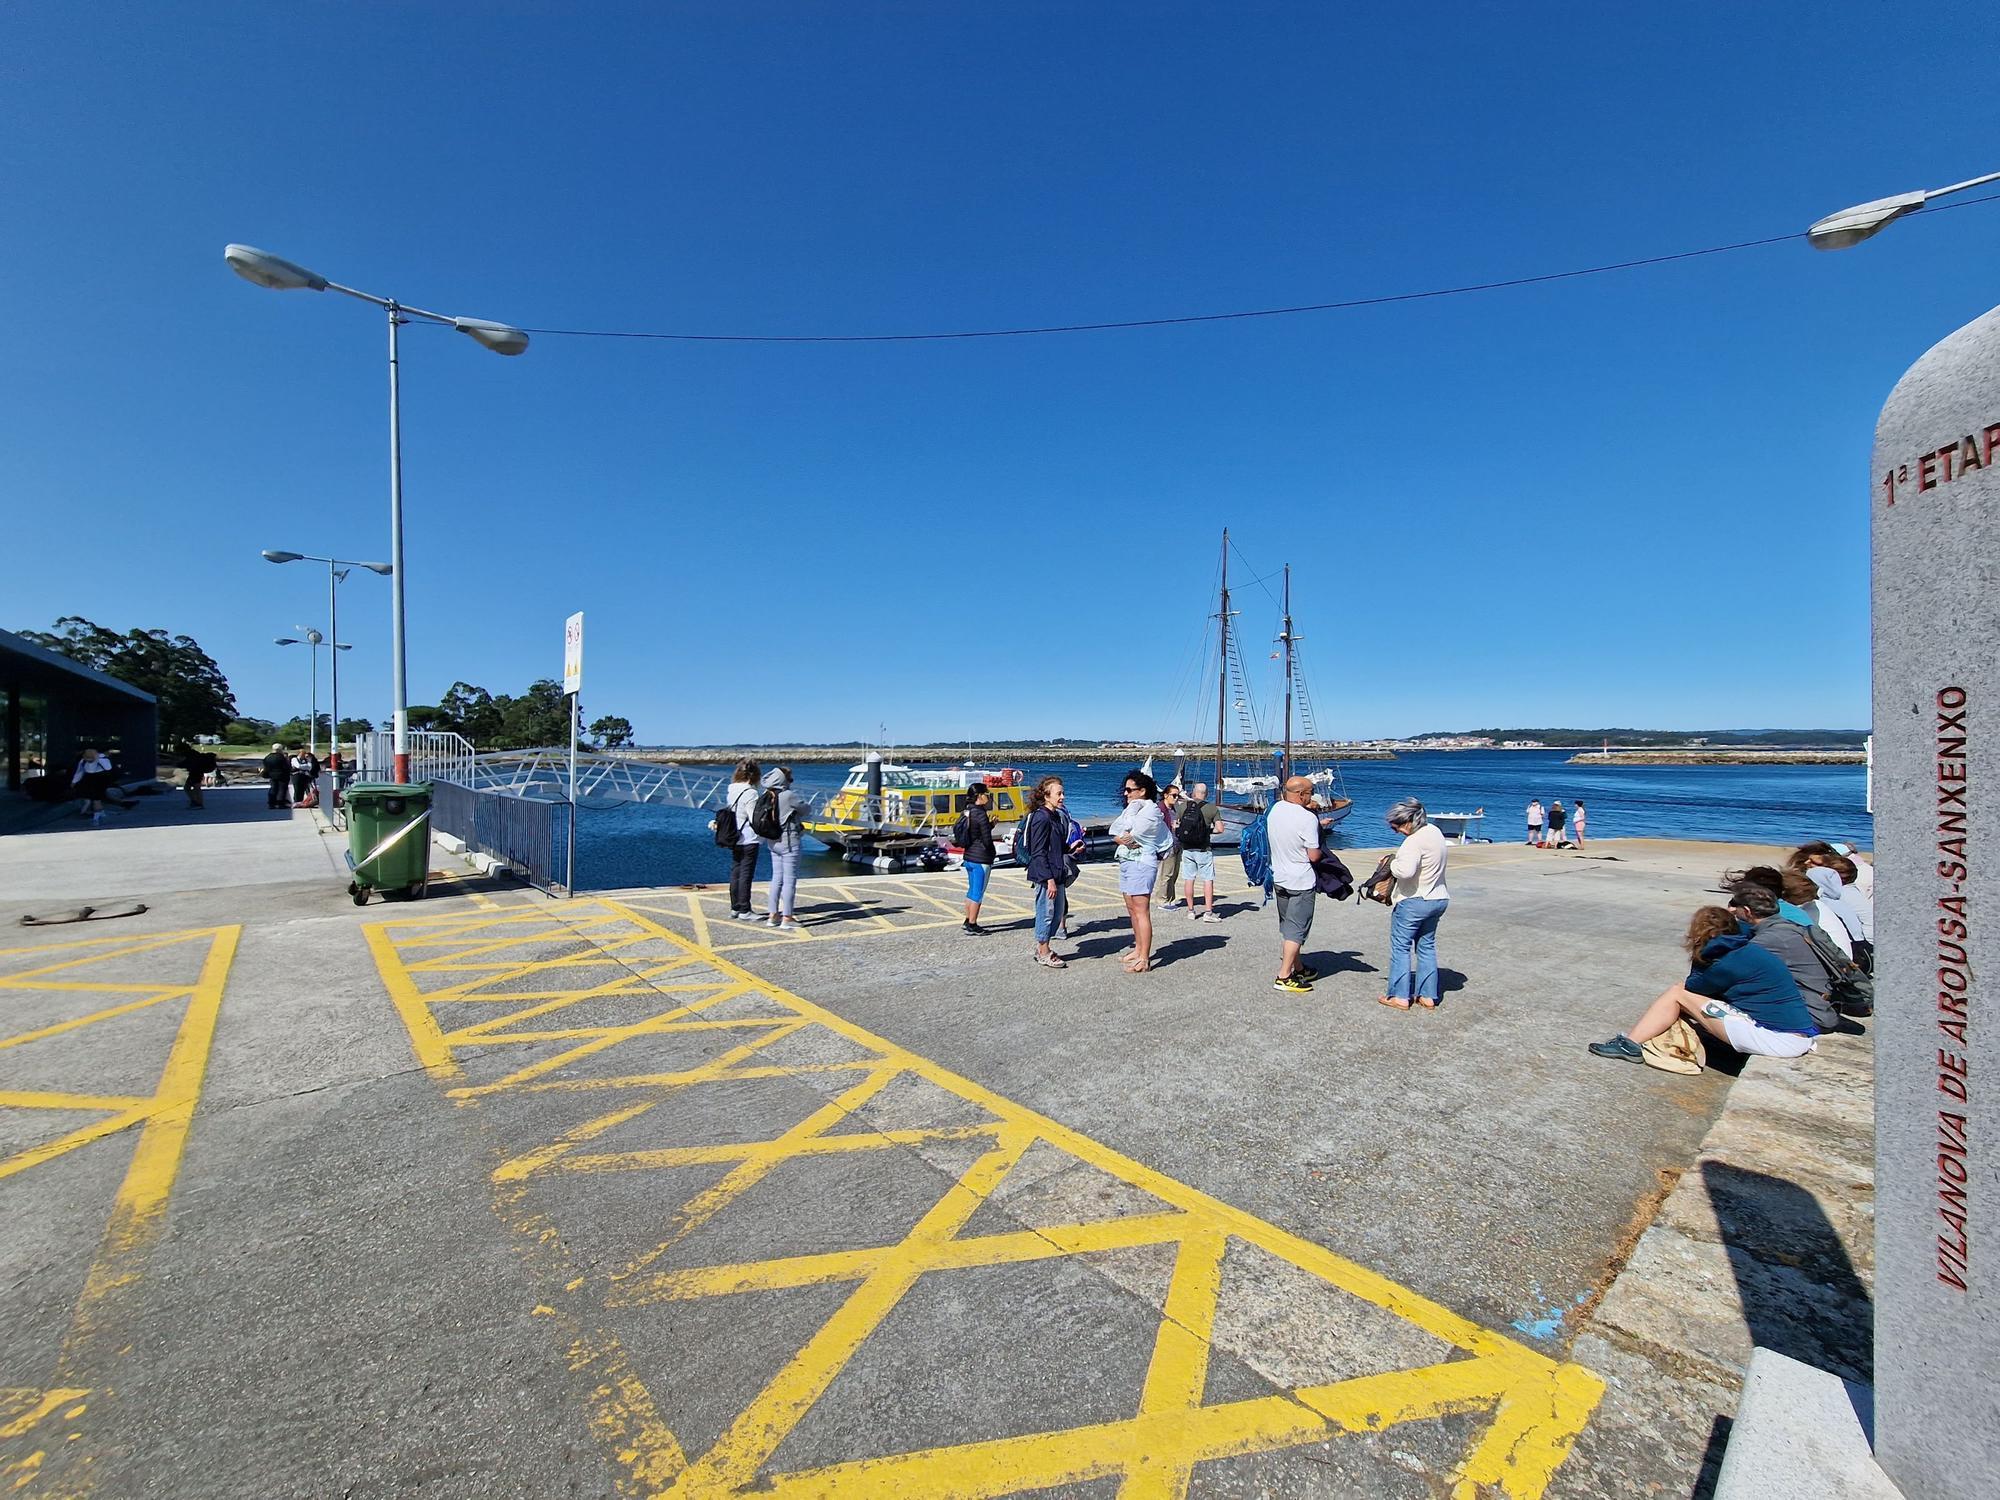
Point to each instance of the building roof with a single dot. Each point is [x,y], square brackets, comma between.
[38,668]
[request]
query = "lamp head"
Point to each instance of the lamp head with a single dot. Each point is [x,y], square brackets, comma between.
[383,568]
[271,556]
[1853,225]
[271,271]
[284,640]
[312,637]
[498,337]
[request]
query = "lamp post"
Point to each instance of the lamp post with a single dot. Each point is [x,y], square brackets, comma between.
[310,637]
[280,275]
[1853,225]
[337,569]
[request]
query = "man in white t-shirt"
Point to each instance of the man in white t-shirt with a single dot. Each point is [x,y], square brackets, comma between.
[1293,831]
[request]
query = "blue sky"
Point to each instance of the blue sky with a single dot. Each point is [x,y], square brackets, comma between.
[1584,503]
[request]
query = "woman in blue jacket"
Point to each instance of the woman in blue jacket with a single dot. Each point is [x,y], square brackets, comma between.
[1737,992]
[1044,839]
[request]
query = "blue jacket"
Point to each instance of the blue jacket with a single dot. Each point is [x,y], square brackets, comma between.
[1754,980]
[1046,839]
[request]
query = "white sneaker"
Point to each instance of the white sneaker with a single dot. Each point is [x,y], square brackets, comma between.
[790,924]
[744,916]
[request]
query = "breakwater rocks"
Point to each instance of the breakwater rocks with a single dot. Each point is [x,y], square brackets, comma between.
[1720,758]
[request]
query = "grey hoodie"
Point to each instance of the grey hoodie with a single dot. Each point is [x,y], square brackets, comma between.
[791,809]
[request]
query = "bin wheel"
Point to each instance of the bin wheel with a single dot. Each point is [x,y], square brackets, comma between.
[416,889]
[359,893]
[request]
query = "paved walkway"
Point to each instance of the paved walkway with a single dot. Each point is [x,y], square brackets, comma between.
[491,1195]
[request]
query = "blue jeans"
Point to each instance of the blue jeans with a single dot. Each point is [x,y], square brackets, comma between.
[1414,923]
[1050,911]
[784,886]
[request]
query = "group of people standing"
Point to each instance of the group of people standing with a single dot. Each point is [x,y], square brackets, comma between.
[1784,961]
[1411,880]
[762,811]
[1556,828]
[290,777]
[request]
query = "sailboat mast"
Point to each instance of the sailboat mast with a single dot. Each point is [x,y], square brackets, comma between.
[1288,669]
[1222,671]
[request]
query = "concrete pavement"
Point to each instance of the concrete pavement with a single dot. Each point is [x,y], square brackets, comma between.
[488,1195]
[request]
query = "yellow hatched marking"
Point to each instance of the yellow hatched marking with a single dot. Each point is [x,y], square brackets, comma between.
[163,1119]
[79,1022]
[1534,1406]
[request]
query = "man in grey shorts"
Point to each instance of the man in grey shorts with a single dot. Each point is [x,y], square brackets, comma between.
[1293,831]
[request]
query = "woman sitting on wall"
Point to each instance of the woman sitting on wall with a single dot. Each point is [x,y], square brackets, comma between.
[1737,992]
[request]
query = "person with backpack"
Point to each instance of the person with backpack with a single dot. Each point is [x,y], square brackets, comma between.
[1196,833]
[1421,898]
[776,818]
[1044,854]
[733,832]
[974,834]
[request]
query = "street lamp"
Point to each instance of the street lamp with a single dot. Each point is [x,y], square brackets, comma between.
[1853,225]
[310,637]
[336,570]
[280,275]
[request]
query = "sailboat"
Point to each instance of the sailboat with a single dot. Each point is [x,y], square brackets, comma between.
[1244,799]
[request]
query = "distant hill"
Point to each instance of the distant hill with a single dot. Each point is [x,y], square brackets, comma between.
[1788,739]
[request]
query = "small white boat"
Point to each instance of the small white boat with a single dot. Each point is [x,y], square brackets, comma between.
[1461,828]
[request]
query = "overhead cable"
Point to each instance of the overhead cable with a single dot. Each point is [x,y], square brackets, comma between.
[1345,305]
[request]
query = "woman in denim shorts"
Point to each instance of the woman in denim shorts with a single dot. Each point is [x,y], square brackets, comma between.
[1141,834]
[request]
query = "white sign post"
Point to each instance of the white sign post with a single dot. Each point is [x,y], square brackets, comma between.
[572,686]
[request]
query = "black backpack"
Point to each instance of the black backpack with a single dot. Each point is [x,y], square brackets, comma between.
[1849,989]
[1193,830]
[764,815]
[725,827]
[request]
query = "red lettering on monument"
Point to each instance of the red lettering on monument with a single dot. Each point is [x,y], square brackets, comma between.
[1954,929]
[1956,459]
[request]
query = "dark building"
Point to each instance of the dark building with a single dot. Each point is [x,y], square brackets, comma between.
[52,707]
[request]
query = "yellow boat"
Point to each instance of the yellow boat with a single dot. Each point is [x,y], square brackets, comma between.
[889,805]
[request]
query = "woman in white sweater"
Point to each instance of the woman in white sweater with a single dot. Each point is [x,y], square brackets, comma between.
[1421,898]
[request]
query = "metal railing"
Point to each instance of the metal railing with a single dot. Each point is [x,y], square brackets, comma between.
[435,755]
[532,832]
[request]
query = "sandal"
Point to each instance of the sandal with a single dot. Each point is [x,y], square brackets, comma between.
[1051,962]
[1394,1002]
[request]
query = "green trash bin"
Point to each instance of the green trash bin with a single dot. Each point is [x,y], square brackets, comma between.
[388,838]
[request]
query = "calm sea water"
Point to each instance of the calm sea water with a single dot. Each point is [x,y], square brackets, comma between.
[629,846]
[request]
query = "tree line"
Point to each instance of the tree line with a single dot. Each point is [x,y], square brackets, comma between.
[195,701]
[539,716]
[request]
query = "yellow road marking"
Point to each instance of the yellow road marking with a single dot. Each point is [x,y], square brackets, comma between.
[1534,1406]
[163,1119]
[81,1021]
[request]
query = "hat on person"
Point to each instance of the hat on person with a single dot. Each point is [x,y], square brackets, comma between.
[279,748]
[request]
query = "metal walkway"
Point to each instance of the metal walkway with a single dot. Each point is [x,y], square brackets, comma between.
[601,780]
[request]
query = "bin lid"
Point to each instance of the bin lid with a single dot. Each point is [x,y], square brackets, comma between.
[370,791]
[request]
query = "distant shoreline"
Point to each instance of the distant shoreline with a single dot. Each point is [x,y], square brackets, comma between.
[1719,758]
[981,755]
